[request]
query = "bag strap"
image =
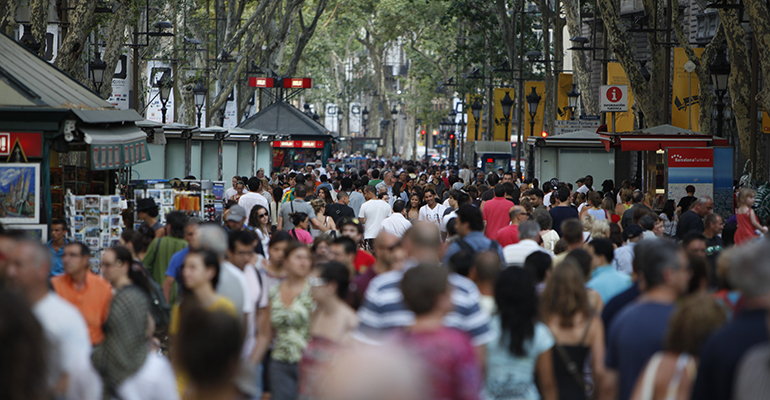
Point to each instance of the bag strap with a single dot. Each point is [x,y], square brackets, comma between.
[648,382]
[673,384]
[571,365]
[588,326]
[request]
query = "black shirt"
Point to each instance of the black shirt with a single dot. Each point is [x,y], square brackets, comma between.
[338,211]
[559,214]
[688,222]
[685,202]
[488,195]
[628,216]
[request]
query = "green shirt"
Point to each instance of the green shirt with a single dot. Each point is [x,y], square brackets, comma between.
[159,254]
[291,325]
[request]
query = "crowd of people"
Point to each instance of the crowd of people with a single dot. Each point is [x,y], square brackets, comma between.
[403,281]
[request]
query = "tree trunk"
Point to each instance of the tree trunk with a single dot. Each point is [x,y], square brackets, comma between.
[581,70]
[549,96]
[740,80]
[114,48]
[73,45]
[304,38]
[38,16]
[8,21]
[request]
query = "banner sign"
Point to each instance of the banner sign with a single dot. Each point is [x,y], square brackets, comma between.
[472,122]
[539,89]
[624,121]
[684,99]
[565,85]
[499,132]
[690,166]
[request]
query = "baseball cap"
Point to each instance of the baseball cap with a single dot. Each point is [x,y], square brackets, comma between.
[236,213]
[632,232]
[317,162]
[458,186]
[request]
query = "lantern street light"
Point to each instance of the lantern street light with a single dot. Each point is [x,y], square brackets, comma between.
[164,85]
[573,96]
[200,98]
[393,115]
[452,135]
[476,112]
[533,100]
[96,71]
[365,118]
[720,72]
[506,104]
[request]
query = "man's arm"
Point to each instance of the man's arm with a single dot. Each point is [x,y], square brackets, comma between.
[280,222]
[264,335]
[317,225]
[168,284]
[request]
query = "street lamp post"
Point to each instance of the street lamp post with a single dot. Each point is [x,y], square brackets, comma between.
[720,72]
[573,96]
[476,111]
[96,71]
[452,135]
[533,100]
[164,84]
[200,98]
[506,104]
[393,116]
[365,118]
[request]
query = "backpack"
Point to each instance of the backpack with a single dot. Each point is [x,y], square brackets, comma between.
[467,248]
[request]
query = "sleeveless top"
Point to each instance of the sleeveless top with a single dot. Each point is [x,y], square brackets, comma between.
[598,214]
[576,355]
[683,362]
[745,230]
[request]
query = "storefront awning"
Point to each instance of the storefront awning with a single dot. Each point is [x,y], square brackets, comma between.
[115,147]
[656,138]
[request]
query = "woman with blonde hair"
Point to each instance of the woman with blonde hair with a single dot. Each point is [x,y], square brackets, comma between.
[319,207]
[748,223]
[577,331]
[600,229]
[625,201]
[670,374]
[608,205]
[588,225]
[593,207]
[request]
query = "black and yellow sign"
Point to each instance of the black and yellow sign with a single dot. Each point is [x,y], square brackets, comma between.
[540,90]
[684,97]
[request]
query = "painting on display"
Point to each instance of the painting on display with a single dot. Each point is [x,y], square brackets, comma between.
[37,231]
[19,193]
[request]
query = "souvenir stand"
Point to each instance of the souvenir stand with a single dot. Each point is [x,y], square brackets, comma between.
[197,198]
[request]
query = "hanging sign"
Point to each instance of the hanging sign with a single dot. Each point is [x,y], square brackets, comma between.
[613,98]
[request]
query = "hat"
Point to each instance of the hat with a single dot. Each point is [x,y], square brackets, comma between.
[145,204]
[632,232]
[458,186]
[412,176]
[236,213]
[317,162]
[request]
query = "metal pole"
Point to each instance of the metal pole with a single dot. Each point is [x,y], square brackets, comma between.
[689,104]
[135,72]
[753,118]
[521,93]
[531,163]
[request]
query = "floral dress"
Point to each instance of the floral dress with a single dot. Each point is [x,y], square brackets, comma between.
[291,324]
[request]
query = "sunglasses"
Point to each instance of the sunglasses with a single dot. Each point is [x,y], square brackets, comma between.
[262,215]
[316,282]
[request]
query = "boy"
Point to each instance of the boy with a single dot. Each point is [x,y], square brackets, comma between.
[447,354]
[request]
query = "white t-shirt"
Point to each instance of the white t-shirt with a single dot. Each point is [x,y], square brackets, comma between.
[432,215]
[258,298]
[547,199]
[155,380]
[396,225]
[67,333]
[251,199]
[445,219]
[374,211]
[232,284]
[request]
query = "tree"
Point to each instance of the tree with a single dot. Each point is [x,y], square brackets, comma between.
[581,73]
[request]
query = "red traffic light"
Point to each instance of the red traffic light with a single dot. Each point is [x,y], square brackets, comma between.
[451,136]
[490,160]
[544,134]
[422,132]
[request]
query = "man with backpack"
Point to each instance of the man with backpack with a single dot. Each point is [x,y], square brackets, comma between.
[470,228]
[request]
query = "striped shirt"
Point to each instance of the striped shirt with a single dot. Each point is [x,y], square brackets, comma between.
[383,309]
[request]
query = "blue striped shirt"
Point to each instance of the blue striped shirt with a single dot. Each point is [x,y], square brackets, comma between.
[383,309]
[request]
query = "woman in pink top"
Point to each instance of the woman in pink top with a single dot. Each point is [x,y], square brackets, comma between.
[301,223]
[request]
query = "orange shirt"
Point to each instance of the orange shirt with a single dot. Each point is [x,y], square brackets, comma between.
[93,300]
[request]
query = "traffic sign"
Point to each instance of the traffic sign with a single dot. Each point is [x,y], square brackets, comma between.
[613,98]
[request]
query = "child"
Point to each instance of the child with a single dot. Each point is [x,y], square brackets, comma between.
[447,354]
[332,323]
[747,219]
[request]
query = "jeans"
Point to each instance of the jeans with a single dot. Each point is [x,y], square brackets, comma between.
[284,380]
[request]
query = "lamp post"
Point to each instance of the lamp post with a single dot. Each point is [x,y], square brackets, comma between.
[476,111]
[506,104]
[533,100]
[164,85]
[365,118]
[96,71]
[452,135]
[572,96]
[393,115]
[200,98]
[720,72]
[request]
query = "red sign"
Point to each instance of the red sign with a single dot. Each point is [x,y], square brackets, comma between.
[299,144]
[30,142]
[297,83]
[614,94]
[261,82]
[690,157]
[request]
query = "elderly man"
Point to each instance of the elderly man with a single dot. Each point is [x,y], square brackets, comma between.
[514,255]
[692,220]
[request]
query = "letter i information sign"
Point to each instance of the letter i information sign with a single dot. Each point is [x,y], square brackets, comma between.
[614,98]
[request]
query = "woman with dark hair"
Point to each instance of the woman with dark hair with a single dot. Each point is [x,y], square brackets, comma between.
[301,223]
[288,327]
[578,332]
[522,345]
[275,207]
[124,360]
[161,249]
[413,207]
[23,363]
[326,195]
[134,242]
[669,217]
[240,190]
[398,193]
[259,219]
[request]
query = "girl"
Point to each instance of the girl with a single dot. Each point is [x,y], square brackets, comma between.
[747,219]
[594,207]
[259,219]
[522,347]
[319,207]
[609,206]
[578,332]
[669,218]
[413,207]
[325,195]
[301,224]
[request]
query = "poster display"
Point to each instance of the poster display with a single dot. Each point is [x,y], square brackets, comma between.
[685,91]
[690,166]
[539,88]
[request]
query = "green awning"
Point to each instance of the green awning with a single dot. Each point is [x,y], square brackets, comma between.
[116,147]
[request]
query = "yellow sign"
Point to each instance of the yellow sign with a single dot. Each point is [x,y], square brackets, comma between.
[624,121]
[471,136]
[540,90]
[565,85]
[765,122]
[684,99]
[499,119]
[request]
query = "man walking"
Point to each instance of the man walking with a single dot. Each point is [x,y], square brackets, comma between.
[432,211]
[372,213]
[253,198]
[692,220]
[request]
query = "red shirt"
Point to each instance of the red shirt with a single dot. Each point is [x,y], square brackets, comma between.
[508,235]
[496,215]
[364,260]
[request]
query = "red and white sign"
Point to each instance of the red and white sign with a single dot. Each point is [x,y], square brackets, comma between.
[261,82]
[30,142]
[690,157]
[613,98]
[299,144]
[297,83]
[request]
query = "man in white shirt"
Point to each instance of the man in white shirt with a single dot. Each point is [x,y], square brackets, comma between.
[64,326]
[514,255]
[397,223]
[252,198]
[319,167]
[372,213]
[432,211]
[232,282]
